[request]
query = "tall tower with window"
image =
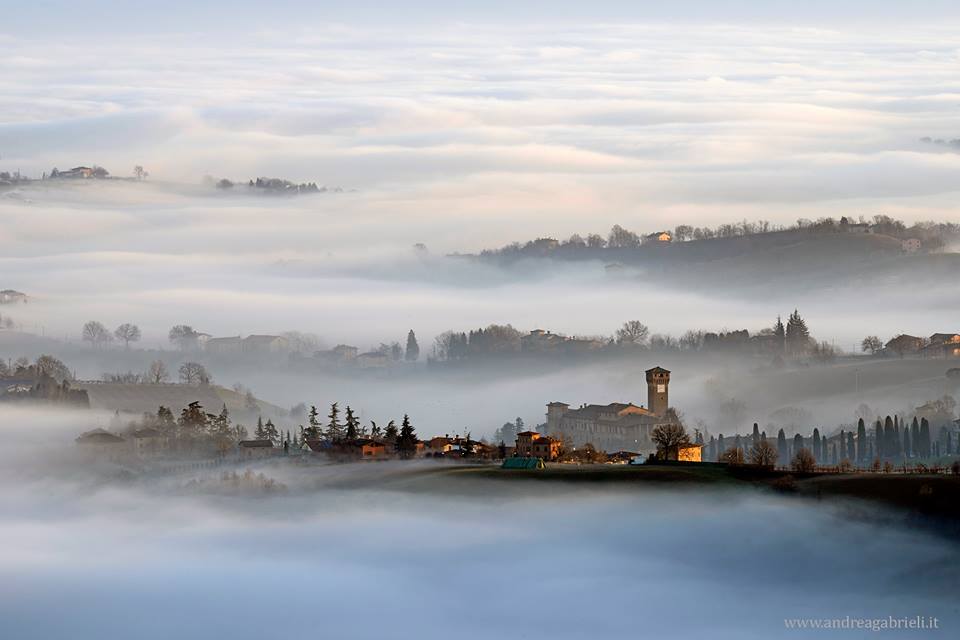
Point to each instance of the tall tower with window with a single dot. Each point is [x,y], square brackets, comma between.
[658,383]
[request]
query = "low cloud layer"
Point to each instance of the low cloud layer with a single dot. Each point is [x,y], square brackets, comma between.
[328,557]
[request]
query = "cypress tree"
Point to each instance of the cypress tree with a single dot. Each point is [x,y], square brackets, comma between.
[756,434]
[817,452]
[413,349]
[407,440]
[906,442]
[851,451]
[915,437]
[888,447]
[797,443]
[878,439]
[843,445]
[720,447]
[782,458]
[861,441]
[925,438]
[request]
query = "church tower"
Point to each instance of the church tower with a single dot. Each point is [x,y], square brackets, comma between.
[658,382]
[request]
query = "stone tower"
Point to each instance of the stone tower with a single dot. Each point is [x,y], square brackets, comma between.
[658,383]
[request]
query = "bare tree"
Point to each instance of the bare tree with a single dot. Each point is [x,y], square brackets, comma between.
[95,333]
[183,336]
[667,436]
[139,172]
[871,344]
[803,461]
[733,455]
[633,332]
[762,453]
[193,373]
[157,372]
[127,333]
[54,368]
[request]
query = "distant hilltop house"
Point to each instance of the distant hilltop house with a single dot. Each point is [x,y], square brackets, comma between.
[660,237]
[911,245]
[81,172]
[253,344]
[616,426]
[255,449]
[542,341]
[340,355]
[102,445]
[855,227]
[9,296]
[373,360]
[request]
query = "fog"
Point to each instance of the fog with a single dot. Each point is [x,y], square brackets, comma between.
[351,550]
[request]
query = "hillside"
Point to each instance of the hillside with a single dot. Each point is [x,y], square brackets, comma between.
[140,398]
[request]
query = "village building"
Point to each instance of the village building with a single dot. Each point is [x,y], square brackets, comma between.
[904,344]
[660,237]
[149,442]
[264,345]
[363,448]
[689,452]
[100,444]
[224,346]
[616,426]
[531,444]
[341,354]
[255,449]
[911,245]
[373,360]
[943,345]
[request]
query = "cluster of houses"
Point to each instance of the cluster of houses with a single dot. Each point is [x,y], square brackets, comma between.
[939,345]
[261,345]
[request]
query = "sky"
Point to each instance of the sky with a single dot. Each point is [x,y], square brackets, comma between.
[556,120]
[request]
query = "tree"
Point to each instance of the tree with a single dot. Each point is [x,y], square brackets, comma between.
[733,455]
[390,434]
[861,441]
[334,430]
[157,372]
[352,425]
[127,333]
[270,432]
[407,440]
[312,432]
[667,436]
[871,344]
[817,449]
[762,453]
[633,332]
[183,336]
[925,450]
[139,172]
[780,332]
[95,333]
[803,461]
[193,373]
[781,447]
[682,232]
[260,433]
[797,335]
[53,367]
[620,238]
[413,349]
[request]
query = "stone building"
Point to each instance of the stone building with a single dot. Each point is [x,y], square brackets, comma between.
[616,426]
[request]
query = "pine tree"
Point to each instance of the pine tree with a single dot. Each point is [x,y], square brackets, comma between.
[797,334]
[313,431]
[271,433]
[352,425]
[260,433]
[861,441]
[407,440]
[413,349]
[390,433]
[334,431]
[781,334]
[374,430]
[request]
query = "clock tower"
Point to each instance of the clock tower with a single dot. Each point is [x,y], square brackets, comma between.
[658,382]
